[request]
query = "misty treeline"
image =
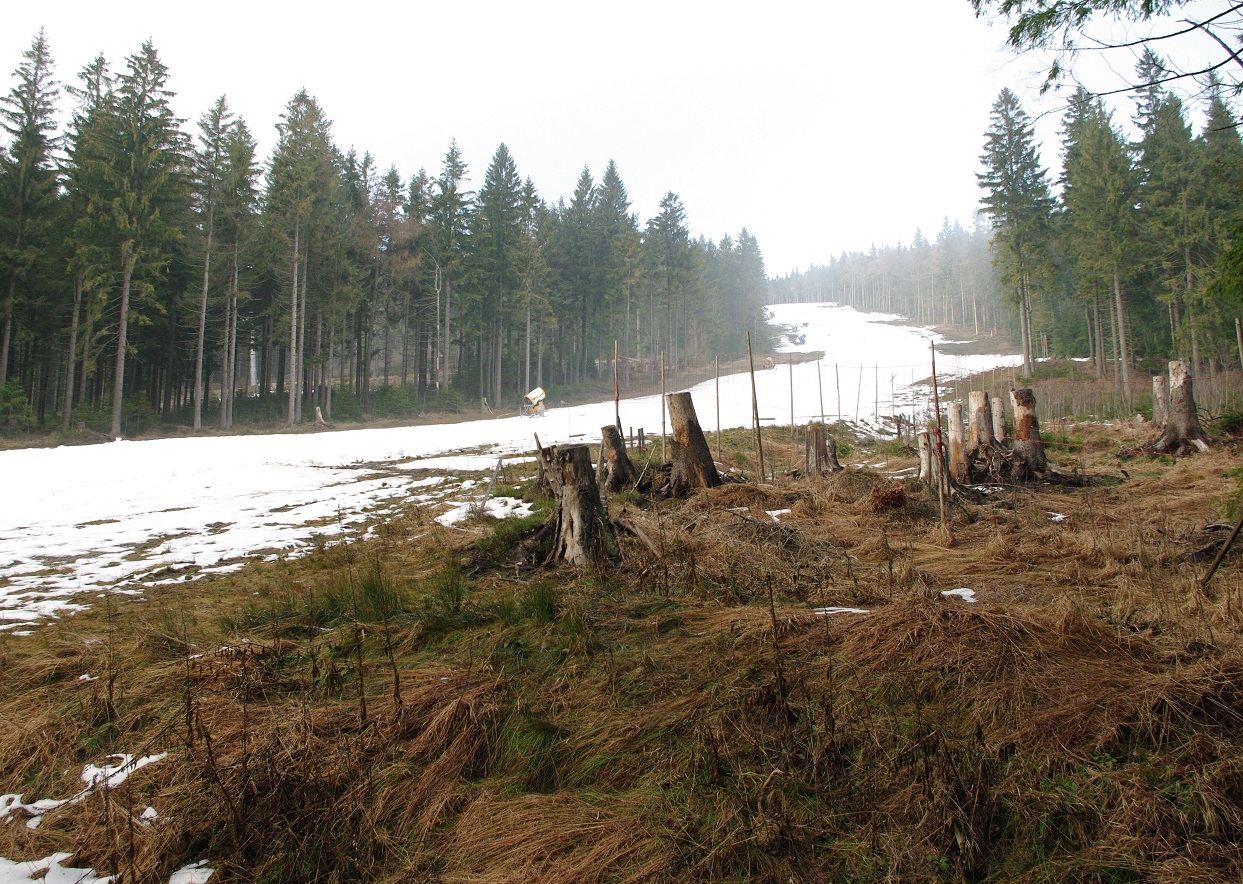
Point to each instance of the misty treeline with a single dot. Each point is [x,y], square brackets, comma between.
[1134,251]
[948,281]
[154,270]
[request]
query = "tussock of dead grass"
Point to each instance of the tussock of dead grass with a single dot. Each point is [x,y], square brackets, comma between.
[685,715]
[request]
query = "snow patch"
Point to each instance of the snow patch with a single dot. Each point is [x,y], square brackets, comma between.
[967,595]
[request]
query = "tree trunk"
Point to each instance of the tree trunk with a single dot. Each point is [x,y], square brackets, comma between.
[1160,400]
[693,466]
[957,450]
[821,451]
[580,513]
[128,259]
[998,407]
[1182,426]
[980,433]
[198,358]
[1028,449]
[73,352]
[616,473]
[293,327]
[1123,352]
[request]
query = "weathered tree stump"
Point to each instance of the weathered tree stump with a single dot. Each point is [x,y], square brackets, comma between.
[544,479]
[616,472]
[980,432]
[957,449]
[931,462]
[821,451]
[1182,431]
[693,466]
[580,513]
[1160,400]
[998,407]
[1028,448]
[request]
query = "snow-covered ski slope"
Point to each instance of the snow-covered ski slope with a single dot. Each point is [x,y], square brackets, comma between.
[126,515]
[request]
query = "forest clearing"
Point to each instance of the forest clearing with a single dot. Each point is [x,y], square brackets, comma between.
[811,679]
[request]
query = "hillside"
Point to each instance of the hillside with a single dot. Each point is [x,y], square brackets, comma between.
[788,692]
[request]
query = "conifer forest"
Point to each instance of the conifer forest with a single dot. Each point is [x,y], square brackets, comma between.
[149,264]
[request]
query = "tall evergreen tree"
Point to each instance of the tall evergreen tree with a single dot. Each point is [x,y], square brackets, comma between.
[27,178]
[138,154]
[1016,198]
[209,165]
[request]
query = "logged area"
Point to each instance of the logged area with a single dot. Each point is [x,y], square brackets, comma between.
[812,680]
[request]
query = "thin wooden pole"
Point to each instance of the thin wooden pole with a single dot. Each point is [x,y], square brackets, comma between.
[616,392]
[716,362]
[1238,334]
[837,373]
[936,407]
[755,409]
[820,387]
[793,438]
[662,407]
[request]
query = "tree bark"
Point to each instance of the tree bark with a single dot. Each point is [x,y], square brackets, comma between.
[616,473]
[580,513]
[1182,426]
[1160,400]
[128,259]
[980,433]
[693,466]
[293,327]
[198,358]
[73,352]
[821,451]
[1028,448]
[998,407]
[957,450]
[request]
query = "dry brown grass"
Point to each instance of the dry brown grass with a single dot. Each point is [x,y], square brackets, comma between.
[686,716]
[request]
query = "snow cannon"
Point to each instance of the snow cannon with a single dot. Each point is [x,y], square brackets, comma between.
[534,401]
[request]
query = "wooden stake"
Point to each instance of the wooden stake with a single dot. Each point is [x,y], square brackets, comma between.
[837,372]
[716,361]
[820,387]
[662,408]
[793,438]
[755,409]
[1238,334]
[616,393]
[939,453]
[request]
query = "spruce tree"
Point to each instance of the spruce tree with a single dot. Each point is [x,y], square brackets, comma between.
[27,179]
[1016,198]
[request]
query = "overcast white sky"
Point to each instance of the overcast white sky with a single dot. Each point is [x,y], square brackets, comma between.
[820,127]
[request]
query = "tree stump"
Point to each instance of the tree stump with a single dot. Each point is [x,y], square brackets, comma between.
[693,466]
[931,466]
[1182,430]
[957,450]
[616,472]
[980,435]
[1028,448]
[1160,400]
[821,451]
[998,407]
[579,510]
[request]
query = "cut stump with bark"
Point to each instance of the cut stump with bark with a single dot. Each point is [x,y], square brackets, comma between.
[580,514]
[998,407]
[1182,433]
[1160,400]
[693,466]
[957,448]
[980,432]
[616,472]
[821,451]
[1028,447]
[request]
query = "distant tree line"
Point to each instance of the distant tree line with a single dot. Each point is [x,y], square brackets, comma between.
[152,273]
[1138,253]
[1129,260]
[949,281]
